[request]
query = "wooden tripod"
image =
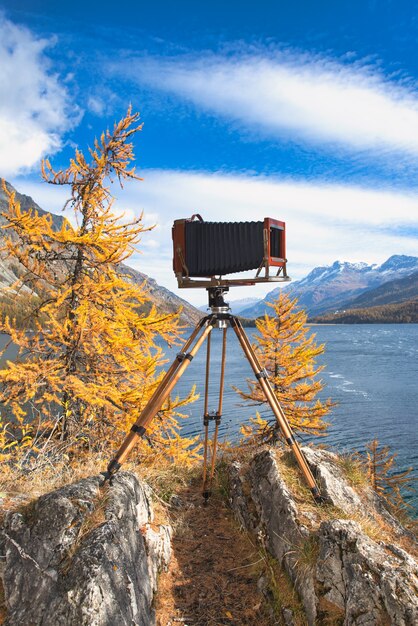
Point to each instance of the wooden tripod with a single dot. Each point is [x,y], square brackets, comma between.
[220,318]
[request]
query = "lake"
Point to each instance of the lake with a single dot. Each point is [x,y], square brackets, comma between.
[370,370]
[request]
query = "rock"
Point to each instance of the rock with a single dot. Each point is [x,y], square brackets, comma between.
[341,574]
[332,484]
[288,617]
[361,577]
[158,546]
[337,490]
[278,521]
[239,501]
[176,502]
[82,556]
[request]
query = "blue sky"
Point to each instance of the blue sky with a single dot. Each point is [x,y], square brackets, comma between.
[304,111]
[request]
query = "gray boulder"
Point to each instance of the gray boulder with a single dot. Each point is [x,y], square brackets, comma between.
[83,555]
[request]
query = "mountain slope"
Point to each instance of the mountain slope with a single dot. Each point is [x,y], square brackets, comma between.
[392,292]
[331,287]
[9,269]
[164,300]
[396,313]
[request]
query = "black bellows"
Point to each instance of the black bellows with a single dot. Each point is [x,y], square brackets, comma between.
[218,248]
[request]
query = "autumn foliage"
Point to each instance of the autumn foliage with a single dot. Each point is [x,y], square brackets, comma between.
[288,351]
[92,361]
[388,482]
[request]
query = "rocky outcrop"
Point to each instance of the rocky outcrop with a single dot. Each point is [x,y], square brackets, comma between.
[84,555]
[369,581]
[344,569]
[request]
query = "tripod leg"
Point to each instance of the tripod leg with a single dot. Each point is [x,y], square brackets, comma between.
[207,484]
[220,403]
[162,392]
[275,406]
[206,420]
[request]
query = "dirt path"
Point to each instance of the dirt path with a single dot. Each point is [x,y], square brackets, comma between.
[214,570]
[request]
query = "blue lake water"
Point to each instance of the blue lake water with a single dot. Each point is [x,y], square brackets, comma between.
[370,370]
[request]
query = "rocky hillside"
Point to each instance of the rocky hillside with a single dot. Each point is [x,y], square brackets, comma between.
[165,300]
[87,555]
[334,287]
[391,292]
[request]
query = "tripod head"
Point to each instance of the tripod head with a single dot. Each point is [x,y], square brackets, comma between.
[218,305]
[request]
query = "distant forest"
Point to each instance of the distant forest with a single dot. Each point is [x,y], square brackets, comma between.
[399,313]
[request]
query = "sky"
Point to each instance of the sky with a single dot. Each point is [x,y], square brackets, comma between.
[303,111]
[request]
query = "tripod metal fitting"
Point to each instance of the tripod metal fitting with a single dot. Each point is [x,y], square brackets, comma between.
[221,318]
[218,306]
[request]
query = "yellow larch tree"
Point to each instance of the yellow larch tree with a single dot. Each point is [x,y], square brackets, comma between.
[92,358]
[287,351]
[386,481]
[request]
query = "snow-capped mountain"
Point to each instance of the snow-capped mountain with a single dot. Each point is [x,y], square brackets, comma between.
[332,287]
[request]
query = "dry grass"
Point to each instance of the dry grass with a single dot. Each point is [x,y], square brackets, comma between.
[353,469]
[329,614]
[280,592]
[19,487]
[213,574]
[307,554]
[311,514]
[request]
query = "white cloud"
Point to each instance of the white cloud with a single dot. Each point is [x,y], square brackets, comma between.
[96,105]
[323,222]
[304,97]
[34,104]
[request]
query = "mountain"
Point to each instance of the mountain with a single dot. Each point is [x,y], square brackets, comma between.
[397,313]
[26,203]
[8,268]
[394,302]
[164,300]
[392,292]
[331,287]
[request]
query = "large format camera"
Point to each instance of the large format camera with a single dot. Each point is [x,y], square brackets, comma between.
[210,250]
[203,253]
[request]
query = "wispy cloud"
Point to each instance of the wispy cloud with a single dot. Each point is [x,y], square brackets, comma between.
[324,222]
[302,97]
[34,103]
